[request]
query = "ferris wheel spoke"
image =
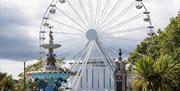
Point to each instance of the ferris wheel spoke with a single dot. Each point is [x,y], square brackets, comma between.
[83,50]
[121,38]
[72,56]
[58,22]
[71,18]
[78,15]
[82,67]
[85,63]
[123,23]
[105,54]
[61,29]
[99,72]
[67,49]
[115,7]
[79,71]
[66,33]
[76,53]
[127,30]
[135,41]
[72,39]
[113,20]
[76,42]
[114,49]
[103,12]
[84,12]
[111,48]
[104,59]
[68,56]
[116,45]
[97,11]
[112,43]
[91,12]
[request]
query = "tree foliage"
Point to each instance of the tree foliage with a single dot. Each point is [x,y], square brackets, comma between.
[156,75]
[6,82]
[156,61]
[165,42]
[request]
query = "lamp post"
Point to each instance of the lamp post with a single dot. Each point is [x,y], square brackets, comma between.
[24,75]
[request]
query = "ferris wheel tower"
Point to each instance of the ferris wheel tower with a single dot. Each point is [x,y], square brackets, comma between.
[91,32]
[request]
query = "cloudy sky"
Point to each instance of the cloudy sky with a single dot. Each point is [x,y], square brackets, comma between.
[20,22]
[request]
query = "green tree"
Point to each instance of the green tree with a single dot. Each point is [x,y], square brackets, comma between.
[2,79]
[166,42]
[6,82]
[162,74]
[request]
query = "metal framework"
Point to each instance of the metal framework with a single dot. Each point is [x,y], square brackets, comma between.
[91,32]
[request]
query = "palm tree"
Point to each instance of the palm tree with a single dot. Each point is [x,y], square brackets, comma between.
[169,70]
[156,75]
[143,72]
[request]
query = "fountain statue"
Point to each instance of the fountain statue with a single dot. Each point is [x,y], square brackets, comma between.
[52,77]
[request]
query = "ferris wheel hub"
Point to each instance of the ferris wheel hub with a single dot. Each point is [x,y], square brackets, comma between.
[91,35]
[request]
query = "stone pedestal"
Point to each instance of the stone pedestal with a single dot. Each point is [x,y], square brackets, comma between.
[120,77]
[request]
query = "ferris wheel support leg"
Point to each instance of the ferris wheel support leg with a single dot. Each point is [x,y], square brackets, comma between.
[107,57]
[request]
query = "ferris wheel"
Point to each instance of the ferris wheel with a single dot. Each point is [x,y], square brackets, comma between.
[91,32]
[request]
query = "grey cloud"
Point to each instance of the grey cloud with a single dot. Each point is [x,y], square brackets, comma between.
[12,17]
[15,43]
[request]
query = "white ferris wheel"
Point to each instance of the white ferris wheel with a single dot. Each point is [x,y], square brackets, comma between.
[91,33]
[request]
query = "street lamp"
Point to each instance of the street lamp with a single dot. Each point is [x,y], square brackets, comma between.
[25,75]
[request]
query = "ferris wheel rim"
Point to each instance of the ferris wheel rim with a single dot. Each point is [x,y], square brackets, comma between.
[47,14]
